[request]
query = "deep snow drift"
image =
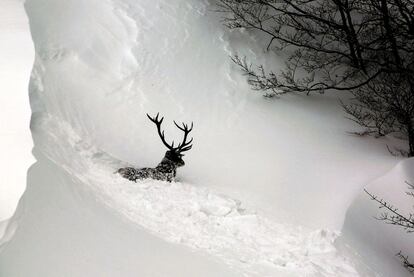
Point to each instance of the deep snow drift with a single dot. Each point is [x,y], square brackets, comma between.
[265,189]
[178,212]
[374,240]
[16,61]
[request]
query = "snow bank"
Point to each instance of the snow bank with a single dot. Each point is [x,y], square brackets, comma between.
[16,60]
[376,242]
[176,212]
[63,231]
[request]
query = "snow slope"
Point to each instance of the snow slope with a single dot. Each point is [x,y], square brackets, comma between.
[16,61]
[103,71]
[59,229]
[264,190]
[377,242]
[179,213]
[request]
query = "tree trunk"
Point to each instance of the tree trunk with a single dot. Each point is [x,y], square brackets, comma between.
[410,131]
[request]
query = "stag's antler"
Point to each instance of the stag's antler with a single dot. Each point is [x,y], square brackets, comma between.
[160,133]
[184,145]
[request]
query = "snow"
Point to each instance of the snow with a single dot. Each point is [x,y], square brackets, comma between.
[16,61]
[149,57]
[373,238]
[63,231]
[195,216]
[265,190]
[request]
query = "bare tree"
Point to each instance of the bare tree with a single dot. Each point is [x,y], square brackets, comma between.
[362,46]
[391,215]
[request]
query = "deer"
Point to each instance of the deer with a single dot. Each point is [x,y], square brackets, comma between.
[166,170]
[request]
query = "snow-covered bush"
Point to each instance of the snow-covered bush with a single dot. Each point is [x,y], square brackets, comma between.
[392,215]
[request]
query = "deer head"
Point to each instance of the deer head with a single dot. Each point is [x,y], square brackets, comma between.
[174,154]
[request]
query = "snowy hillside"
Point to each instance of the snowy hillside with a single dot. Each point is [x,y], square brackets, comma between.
[266,187]
[374,240]
[16,61]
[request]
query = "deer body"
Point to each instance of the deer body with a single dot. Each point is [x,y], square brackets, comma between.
[166,170]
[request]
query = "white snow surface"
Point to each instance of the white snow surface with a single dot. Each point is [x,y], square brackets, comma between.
[265,189]
[16,61]
[374,240]
[194,216]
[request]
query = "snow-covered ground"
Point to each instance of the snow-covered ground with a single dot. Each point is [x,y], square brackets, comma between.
[179,213]
[16,61]
[374,240]
[265,190]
